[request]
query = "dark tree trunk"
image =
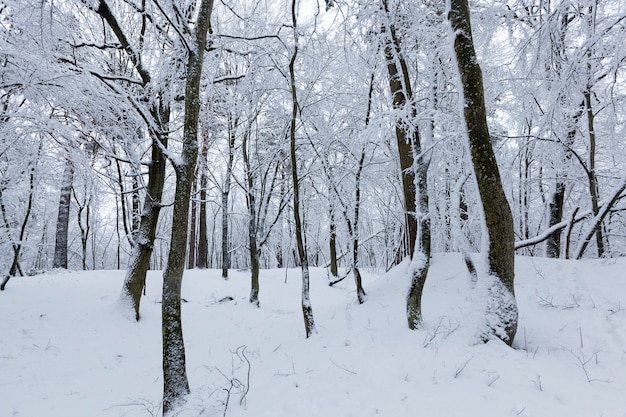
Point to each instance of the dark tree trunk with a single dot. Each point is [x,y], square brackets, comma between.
[127,230]
[63,219]
[497,212]
[193,220]
[136,206]
[203,251]
[307,309]
[414,174]
[139,263]
[252,225]
[84,227]
[402,96]
[360,292]
[17,246]
[203,247]
[591,173]
[175,383]
[232,126]
[332,243]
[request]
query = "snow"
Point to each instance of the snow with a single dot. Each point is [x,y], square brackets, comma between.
[66,349]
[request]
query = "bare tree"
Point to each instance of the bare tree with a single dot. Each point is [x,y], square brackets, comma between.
[307,309]
[497,213]
[414,171]
[175,383]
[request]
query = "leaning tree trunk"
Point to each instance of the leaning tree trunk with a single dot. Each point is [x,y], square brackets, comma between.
[145,234]
[175,383]
[17,246]
[159,114]
[400,87]
[63,219]
[497,212]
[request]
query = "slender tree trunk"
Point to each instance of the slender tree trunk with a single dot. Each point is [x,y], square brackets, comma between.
[307,309]
[360,292]
[17,246]
[252,225]
[201,260]
[232,126]
[591,174]
[400,86]
[191,254]
[414,174]
[332,243]
[136,204]
[63,219]
[497,212]
[122,200]
[139,263]
[83,207]
[175,383]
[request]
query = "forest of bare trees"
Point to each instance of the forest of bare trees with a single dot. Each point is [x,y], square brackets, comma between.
[350,135]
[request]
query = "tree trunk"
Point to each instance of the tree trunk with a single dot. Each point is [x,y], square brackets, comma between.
[17,246]
[232,126]
[497,212]
[332,243]
[83,207]
[307,309]
[191,255]
[203,251]
[414,175]
[598,218]
[591,174]
[252,225]
[555,213]
[175,383]
[63,219]
[139,263]
[402,96]
[360,292]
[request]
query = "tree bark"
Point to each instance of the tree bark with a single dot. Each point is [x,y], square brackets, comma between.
[232,126]
[193,220]
[307,309]
[203,250]
[17,246]
[63,219]
[252,225]
[332,242]
[139,263]
[406,134]
[497,212]
[175,383]
[414,174]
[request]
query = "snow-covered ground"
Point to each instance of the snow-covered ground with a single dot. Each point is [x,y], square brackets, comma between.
[66,350]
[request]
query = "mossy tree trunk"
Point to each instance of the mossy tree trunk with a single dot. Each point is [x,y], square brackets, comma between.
[497,212]
[175,383]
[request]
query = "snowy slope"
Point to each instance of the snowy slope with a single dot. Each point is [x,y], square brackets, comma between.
[65,349]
